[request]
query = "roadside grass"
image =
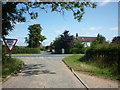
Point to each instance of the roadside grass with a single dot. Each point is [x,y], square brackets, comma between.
[78,63]
[10,66]
[25,54]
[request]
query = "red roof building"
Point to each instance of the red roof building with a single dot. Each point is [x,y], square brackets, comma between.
[85,40]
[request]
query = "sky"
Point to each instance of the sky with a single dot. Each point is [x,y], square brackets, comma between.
[102,20]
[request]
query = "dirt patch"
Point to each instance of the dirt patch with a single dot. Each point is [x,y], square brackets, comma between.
[97,81]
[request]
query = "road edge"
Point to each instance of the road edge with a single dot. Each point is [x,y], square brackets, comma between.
[72,70]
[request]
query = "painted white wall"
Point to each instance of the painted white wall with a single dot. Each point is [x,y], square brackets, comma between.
[86,44]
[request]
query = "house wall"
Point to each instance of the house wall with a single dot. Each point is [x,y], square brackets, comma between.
[86,44]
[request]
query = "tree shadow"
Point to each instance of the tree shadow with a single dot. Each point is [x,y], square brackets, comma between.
[35,69]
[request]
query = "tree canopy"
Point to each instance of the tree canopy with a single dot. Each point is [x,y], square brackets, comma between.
[35,37]
[116,39]
[65,41]
[11,13]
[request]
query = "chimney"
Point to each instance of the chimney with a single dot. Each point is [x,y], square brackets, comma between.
[76,35]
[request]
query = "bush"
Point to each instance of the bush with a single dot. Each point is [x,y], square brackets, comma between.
[20,50]
[78,44]
[10,65]
[77,50]
[106,52]
[116,39]
[106,55]
[25,50]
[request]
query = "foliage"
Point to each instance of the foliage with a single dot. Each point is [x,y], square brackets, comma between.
[77,48]
[65,41]
[57,43]
[106,54]
[78,62]
[20,50]
[10,16]
[47,48]
[35,37]
[25,50]
[42,48]
[100,40]
[4,52]
[17,10]
[78,44]
[10,65]
[116,39]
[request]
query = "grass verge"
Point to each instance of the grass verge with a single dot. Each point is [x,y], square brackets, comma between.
[10,66]
[78,63]
[26,54]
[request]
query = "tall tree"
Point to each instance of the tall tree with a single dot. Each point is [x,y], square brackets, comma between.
[67,41]
[64,41]
[35,37]
[13,12]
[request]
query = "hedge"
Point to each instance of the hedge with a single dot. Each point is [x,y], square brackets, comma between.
[108,53]
[77,50]
[23,50]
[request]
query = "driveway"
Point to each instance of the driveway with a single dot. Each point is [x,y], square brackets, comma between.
[43,72]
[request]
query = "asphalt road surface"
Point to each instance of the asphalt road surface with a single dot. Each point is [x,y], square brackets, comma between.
[43,71]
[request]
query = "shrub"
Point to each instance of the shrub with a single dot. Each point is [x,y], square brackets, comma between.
[106,55]
[25,50]
[116,39]
[77,50]
[78,44]
[4,52]
[108,52]
[11,65]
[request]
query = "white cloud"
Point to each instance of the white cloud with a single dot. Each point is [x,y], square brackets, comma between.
[33,20]
[105,2]
[114,28]
[93,28]
[19,23]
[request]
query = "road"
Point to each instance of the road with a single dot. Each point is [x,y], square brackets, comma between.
[43,71]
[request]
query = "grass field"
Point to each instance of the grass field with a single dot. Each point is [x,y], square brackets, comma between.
[79,64]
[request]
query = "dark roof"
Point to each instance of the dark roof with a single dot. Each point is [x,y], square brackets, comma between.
[86,39]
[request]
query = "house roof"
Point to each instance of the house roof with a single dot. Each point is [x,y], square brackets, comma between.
[86,39]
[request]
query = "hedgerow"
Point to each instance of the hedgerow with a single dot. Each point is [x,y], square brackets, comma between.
[21,50]
[106,55]
[25,50]
[109,53]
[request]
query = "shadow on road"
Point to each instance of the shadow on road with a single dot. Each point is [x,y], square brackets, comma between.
[35,69]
